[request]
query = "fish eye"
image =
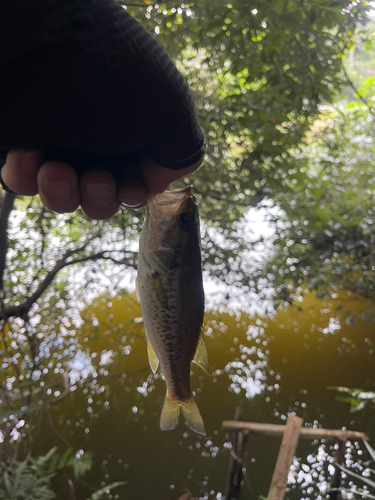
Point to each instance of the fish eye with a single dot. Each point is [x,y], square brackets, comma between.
[186,220]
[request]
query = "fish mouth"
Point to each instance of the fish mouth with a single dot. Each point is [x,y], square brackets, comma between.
[168,202]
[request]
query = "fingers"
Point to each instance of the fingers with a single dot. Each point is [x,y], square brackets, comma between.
[58,187]
[61,192]
[96,191]
[21,170]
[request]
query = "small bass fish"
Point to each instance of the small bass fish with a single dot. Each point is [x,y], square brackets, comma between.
[170,289]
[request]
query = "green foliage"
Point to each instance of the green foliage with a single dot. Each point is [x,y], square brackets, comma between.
[52,462]
[324,236]
[360,61]
[258,70]
[358,399]
[31,479]
[21,483]
[367,90]
[82,464]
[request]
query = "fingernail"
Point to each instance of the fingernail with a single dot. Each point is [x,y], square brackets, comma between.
[99,193]
[132,205]
[131,202]
[132,196]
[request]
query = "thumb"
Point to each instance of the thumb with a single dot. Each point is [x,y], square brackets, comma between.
[157,179]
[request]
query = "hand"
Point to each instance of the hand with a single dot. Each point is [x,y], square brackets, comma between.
[96,190]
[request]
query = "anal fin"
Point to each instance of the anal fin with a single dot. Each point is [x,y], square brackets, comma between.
[152,358]
[201,355]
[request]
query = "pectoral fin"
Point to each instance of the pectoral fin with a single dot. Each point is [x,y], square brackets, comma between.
[201,355]
[152,358]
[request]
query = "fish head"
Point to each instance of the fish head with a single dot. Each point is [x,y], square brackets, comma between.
[172,219]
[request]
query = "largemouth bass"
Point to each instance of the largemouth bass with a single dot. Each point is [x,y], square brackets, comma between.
[170,290]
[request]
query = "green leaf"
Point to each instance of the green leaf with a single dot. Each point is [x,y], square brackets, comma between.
[99,494]
[66,458]
[18,475]
[82,464]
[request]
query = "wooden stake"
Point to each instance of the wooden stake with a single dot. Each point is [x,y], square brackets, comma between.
[336,478]
[234,478]
[285,458]
[305,432]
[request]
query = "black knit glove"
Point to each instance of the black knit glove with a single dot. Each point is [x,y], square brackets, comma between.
[84,81]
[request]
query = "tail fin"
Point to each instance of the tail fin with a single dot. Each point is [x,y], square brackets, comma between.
[192,416]
[170,415]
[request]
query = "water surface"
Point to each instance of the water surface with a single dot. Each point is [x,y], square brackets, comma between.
[269,366]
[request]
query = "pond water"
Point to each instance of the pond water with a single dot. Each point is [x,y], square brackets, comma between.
[269,366]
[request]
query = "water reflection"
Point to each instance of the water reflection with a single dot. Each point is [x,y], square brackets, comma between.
[270,366]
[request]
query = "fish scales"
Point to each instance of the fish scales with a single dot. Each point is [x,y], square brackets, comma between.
[175,352]
[172,299]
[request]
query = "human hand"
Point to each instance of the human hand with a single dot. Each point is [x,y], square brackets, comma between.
[95,190]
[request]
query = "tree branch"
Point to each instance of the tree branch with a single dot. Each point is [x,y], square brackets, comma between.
[101,255]
[6,209]
[22,309]
[41,252]
[365,102]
